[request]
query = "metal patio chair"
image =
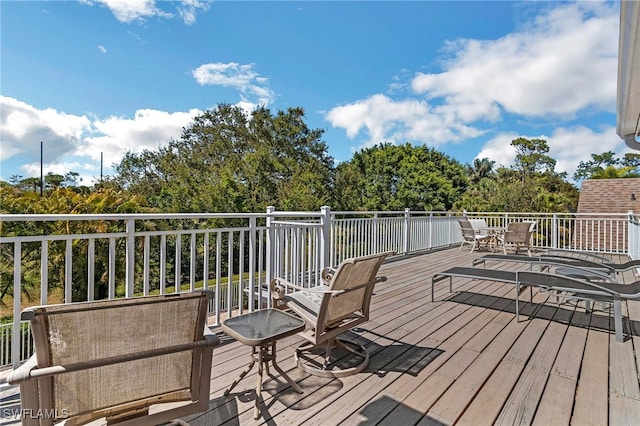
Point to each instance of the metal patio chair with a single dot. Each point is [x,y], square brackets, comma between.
[331,309]
[135,361]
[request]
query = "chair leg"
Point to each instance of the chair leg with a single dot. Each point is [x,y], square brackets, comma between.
[617,320]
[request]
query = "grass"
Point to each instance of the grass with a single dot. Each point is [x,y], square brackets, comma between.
[56,295]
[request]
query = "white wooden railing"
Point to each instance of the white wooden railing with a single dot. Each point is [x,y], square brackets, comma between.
[88,257]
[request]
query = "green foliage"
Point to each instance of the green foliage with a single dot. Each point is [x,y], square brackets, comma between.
[532,185]
[390,177]
[531,157]
[229,162]
[607,166]
[62,201]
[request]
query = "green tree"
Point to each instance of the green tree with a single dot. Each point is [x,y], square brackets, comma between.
[480,169]
[391,177]
[531,157]
[73,178]
[608,166]
[30,183]
[229,162]
[53,180]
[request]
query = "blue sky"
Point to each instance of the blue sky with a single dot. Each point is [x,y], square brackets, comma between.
[105,76]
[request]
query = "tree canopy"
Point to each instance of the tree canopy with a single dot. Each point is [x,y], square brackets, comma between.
[608,166]
[227,161]
[394,177]
[531,185]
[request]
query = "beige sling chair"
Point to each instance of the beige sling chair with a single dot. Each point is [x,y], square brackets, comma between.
[472,236]
[518,235]
[136,361]
[337,306]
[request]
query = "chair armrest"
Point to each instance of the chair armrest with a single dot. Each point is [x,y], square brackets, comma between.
[23,372]
[327,275]
[34,372]
[211,337]
[279,287]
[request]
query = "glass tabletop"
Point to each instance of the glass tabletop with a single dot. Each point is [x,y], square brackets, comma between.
[263,326]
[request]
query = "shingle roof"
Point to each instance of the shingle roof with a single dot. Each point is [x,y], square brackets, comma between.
[609,196]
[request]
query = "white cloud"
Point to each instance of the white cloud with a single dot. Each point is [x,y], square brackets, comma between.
[561,64]
[148,129]
[386,120]
[240,77]
[127,11]
[189,9]
[550,68]
[102,49]
[23,127]
[568,146]
[72,142]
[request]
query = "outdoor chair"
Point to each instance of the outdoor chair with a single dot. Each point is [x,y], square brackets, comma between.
[135,361]
[338,305]
[479,225]
[518,235]
[582,290]
[560,286]
[607,269]
[471,236]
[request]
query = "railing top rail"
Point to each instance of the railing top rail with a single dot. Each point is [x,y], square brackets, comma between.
[296,223]
[460,213]
[124,216]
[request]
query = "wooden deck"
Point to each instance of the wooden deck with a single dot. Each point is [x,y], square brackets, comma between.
[463,359]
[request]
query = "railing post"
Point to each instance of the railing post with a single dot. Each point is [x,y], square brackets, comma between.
[16,337]
[271,246]
[554,231]
[430,230]
[407,233]
[376,234]
[633,232]
[325,243]
[252,267]
[130,263]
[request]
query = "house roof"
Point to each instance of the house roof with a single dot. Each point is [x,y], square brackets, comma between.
[609,196]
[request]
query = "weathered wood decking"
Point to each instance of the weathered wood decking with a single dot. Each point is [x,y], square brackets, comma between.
[463,359]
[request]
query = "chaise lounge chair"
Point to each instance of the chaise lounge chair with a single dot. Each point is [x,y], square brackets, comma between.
[552,283]
[331,310]
[581,289]
[610,268]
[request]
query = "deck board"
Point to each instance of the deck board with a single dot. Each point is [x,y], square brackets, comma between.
[462,359]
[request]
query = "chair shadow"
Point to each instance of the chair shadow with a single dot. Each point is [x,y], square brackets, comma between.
[600,318]
[221,410]
[375,410]
[396,357]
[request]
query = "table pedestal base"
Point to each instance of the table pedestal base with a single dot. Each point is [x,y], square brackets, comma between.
[262,355]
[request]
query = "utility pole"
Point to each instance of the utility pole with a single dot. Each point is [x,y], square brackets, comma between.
[41,172]
[101,167]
